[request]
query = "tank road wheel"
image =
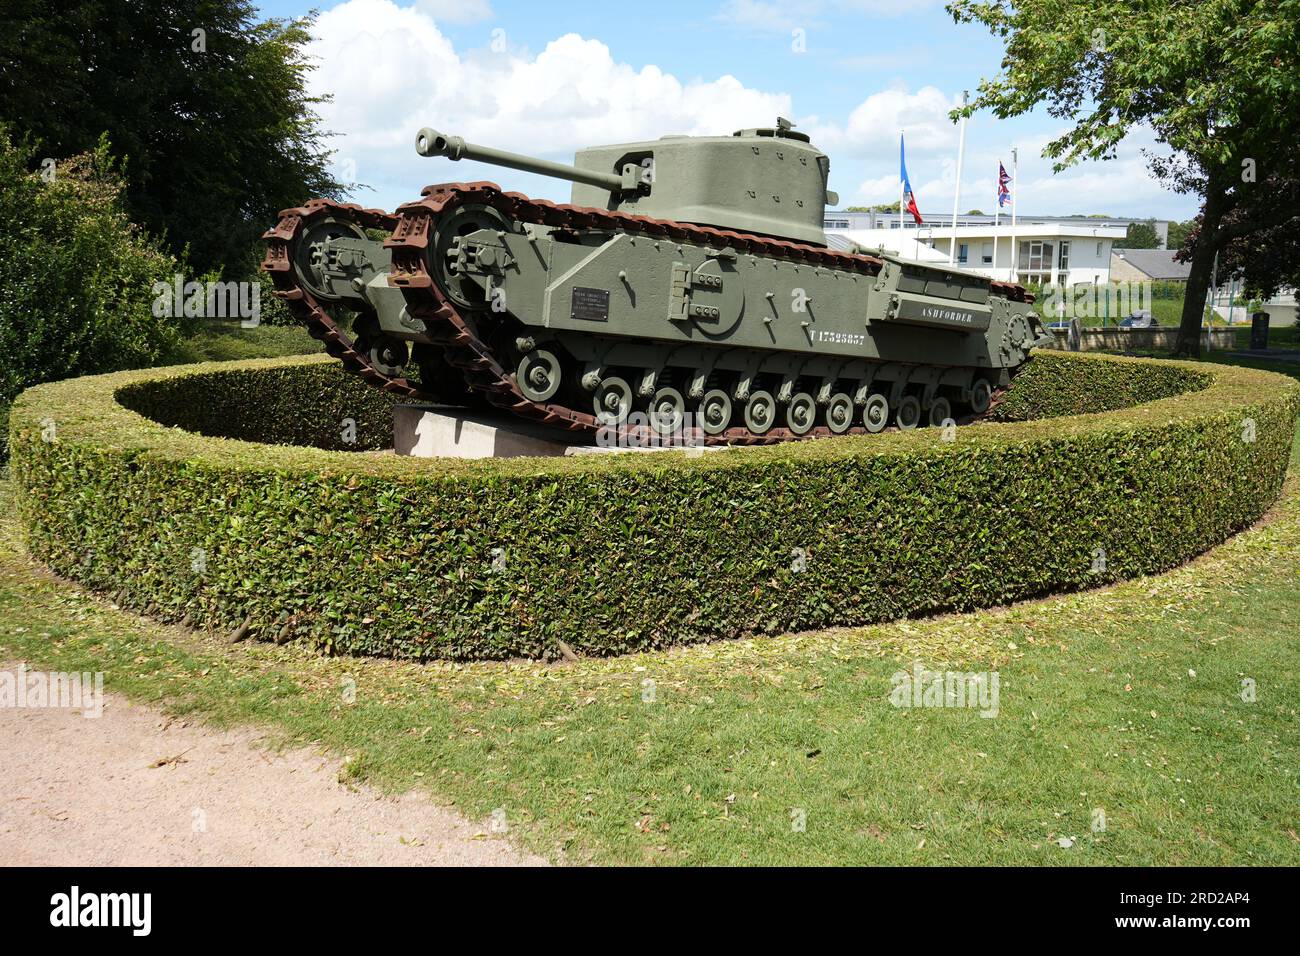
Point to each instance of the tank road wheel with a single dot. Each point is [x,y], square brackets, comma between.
[715,412]
[875,414]
[760,412]
[940,412]
[802,413]
[908,415]
[389,355]
[538,375]
[667,411]
[612,402]
[839,413]
[981,396]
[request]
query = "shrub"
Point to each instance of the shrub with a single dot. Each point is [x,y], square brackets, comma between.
[376,554]
[75,274]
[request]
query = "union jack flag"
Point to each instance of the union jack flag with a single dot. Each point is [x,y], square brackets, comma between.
[1004,185]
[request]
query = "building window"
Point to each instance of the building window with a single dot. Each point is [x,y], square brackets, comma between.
[1065,255]
[837,224]
[986,253]
[1035,256]
[1099,250]
[962,252]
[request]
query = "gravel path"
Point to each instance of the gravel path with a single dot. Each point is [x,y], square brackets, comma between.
[136,788]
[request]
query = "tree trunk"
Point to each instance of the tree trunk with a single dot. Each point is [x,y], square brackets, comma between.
[1188,344]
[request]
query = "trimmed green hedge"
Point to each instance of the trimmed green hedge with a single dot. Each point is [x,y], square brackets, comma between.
[296,404]
[376,554]
[1050,388]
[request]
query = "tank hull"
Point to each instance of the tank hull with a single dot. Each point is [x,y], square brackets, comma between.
[582,317]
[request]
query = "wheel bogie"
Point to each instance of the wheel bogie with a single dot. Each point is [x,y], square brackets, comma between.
[907,414]
[760,412]
[876,412]
[940,413]
[719,408]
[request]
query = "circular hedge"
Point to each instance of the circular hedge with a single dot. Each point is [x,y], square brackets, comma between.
[126,483]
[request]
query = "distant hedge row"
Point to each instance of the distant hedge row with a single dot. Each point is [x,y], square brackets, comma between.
[375,554]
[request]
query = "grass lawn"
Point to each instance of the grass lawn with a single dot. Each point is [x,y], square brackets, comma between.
[222,341]
[1126,699]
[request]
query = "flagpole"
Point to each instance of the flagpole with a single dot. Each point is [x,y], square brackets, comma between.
[956,193]
[997,213]
[900,192]
[1015,191]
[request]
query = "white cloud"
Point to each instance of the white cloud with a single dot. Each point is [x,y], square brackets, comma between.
[457,11]
[872,127]
[1122,186]
[391,71]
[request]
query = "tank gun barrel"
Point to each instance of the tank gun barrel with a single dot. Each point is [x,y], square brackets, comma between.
[429,142]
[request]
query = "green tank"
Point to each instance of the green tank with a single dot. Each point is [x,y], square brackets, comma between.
[687,290]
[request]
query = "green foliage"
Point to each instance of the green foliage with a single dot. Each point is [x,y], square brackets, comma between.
[1262,230]
[1178,232]
[1216,80]
[290,405]
[1141,235]
[1210,77]
[878,207]
[1051,389]
[75,275]
[376,554]
[219,340]
[218,130]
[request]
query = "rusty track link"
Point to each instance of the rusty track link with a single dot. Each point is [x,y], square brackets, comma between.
[412,228]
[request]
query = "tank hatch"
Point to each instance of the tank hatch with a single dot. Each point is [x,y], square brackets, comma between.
[783,128]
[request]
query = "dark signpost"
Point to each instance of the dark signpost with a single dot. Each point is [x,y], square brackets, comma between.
[1259,332]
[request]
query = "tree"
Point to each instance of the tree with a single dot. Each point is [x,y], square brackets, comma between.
[879,207]
[975,212]
[1268,258]
[76,277]
[1216,80]
[1178,234]
[207,108]
[1141,235]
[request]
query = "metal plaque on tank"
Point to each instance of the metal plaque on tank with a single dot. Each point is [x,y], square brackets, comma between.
[590,304]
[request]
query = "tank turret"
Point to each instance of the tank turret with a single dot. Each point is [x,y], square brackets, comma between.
[769,181]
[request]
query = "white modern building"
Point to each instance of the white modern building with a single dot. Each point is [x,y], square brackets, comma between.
[1067,250]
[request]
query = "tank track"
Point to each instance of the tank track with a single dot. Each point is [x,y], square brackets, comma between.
[411,229]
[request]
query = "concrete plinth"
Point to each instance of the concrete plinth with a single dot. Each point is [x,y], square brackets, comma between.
[442,431]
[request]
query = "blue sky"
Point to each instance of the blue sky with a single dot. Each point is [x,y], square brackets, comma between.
[547,78]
